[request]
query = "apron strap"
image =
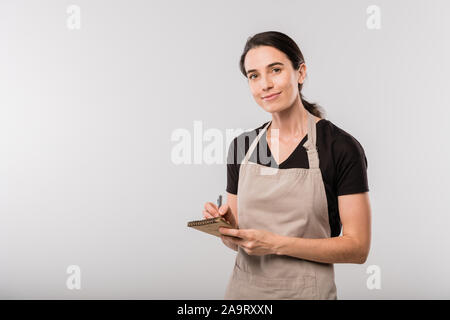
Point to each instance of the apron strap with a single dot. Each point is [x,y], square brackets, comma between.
[310,144]
[255,142]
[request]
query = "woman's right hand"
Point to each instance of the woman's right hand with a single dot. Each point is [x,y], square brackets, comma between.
[211,211]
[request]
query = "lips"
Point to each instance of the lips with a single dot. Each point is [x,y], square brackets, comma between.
[271,96]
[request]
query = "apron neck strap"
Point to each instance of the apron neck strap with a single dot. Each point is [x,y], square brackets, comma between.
[254,143]
[310,144]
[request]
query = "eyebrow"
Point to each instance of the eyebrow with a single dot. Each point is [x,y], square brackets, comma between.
[268,66]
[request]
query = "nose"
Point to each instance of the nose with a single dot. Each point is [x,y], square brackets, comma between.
[266,83]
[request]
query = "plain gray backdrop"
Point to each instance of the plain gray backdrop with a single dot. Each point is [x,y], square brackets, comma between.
[87,115]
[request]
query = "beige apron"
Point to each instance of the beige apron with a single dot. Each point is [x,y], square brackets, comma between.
[289,202]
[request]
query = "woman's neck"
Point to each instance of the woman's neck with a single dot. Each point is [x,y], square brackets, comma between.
[292,122]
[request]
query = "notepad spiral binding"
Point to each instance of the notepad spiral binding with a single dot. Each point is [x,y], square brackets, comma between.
[203,222]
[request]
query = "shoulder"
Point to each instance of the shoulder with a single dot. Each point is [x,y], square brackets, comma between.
[338,137]
[345,148]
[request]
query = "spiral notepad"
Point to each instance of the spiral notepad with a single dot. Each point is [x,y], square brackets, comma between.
[210,225]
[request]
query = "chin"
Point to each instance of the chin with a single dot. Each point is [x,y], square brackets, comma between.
[274,107]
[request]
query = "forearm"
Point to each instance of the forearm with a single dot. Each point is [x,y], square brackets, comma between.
[340,249]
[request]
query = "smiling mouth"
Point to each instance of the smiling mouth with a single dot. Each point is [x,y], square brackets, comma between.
[271,97]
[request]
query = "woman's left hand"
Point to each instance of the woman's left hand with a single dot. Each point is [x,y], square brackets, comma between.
[254,242]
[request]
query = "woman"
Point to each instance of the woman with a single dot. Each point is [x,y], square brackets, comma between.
[292,207]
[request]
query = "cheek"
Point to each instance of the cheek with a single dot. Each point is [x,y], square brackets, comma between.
[290,89]
[285,83]
[255,93]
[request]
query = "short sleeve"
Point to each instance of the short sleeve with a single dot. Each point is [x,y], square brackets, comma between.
[350,166]
[236,153]
[232,168]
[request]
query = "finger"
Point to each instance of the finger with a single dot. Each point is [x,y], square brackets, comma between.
[223,209]
[212,209]
[207,215]
[231,232]
[238,241]
[224,230]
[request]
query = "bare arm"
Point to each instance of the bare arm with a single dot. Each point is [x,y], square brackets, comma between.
[351,247]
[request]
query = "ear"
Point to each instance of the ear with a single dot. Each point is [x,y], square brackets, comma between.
[301,73]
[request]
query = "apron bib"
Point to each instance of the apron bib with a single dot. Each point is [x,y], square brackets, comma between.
[289,202]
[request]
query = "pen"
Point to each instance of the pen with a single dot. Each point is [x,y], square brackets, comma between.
[219,201]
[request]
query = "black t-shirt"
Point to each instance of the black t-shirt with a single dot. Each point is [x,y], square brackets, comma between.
[342,162]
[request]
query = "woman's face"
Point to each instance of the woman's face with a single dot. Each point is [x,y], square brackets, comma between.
[269,71]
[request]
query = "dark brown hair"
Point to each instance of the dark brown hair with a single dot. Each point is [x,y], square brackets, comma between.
[288,46]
